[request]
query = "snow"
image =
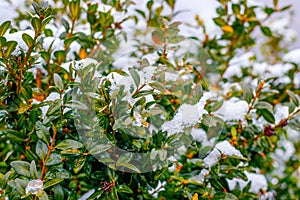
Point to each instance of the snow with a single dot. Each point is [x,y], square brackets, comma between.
[34,186]
[258,182]
[200,177]
[297,78]
[87,194]
[160,187]
[233,109]
[292,56]
[212,158]
[224,148]
[234,69]
[17,36]
[281,112]
[187,116]
[227,149]
[199,135]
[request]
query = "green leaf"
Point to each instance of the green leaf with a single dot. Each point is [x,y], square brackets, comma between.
[268,115]
[23,108]
[247,93]
[21,167]
[129,166]
[52,182]
[60,56]
[158,86]
[74,9]
[78,164]
[33,170]
[54,159]
[69,41]
[171,3]
[69,144]
[176,39]
[263,105]
[293,97]
[45,22]
[124,189]
[58,81]
[2,41]
[11,46]
[162,154]
[41,149]
[236,8]
[266,31]
[28,39]
[20,185]
[42,132]
[36,7]
[74,104]
[4,27]
[158,37]
[135,76]
[58,193]
[36,24]
[43,196]
[55,106]
[142,13]
[45,55]
[99,148]
[219,21]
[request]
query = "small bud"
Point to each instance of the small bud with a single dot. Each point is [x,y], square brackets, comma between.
[269,131]
[107,187]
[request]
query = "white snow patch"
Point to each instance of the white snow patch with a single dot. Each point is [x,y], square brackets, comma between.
[187,116]
[292,56]
[17,36]
[223,147]
[258,182]
[281,112]
[160,187]
[233,109]
[200,177]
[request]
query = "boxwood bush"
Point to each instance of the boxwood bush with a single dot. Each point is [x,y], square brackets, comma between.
[110,100]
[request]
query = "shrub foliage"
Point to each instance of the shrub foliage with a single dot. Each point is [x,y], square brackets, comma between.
[106,100]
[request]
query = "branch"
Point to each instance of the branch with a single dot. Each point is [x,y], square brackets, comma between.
[48,153]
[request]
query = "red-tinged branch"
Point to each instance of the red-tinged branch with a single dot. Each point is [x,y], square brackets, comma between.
[48,153]
[257,93]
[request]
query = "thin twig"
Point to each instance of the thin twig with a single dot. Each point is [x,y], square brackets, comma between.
[257,93]
[48,153]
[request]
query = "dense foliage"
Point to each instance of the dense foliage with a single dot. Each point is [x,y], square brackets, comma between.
[107,100]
